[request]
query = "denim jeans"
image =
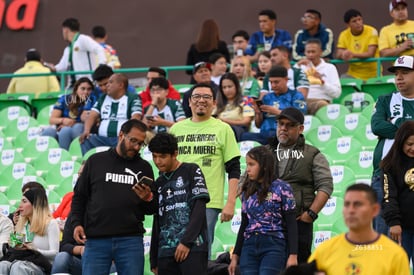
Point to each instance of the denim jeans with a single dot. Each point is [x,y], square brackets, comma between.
[211,216]
[126,252]
[379,223]
[262,137]
[66,263]
[95,141]
[263,254]
[65,135]
[407,242]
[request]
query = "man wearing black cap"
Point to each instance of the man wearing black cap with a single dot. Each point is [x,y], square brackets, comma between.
[201,74]
[390,112]
[272,104]
[397,38]
[306,169]
[36,85]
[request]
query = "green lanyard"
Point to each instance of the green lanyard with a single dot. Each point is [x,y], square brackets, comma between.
[29,235]
[71,48]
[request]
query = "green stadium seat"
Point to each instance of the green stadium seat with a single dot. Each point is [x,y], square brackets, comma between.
[245,146]
[66,185]
[20,99]
[14,172]
[75,150]
[352,123]
[54,200]
[217,248]
[362,165]
[43,116]
[182,88]
[356,102]
[366,137]
[36,146]
[14,192]
[343,150]
[5,143]
[376,90]
[348,86]
[10,156]
[44,100]
[21,124]
[323,134]
[4,205]
[57,173]
[367,112]
[26,136]
[49,159]
[342,176]
[311,122]
[319,236]
[227,231]
[95,150]
[11,113]
[330,113]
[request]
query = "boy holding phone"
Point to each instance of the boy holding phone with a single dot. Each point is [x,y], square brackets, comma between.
[179,243]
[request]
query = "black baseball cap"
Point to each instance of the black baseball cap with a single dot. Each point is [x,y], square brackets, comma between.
[292,114]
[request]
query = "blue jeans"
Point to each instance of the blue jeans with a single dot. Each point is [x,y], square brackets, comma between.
[65,135]
[66,263]
[379,223]
[407,242]
[262,137]
[126,252]
[263,254]
[95,141]
[211,216]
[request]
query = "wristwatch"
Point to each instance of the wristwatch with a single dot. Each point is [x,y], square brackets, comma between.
[312,214]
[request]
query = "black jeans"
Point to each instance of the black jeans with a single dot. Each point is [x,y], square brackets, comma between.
[305,235]
[196,263]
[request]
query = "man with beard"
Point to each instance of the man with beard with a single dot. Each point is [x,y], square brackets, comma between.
[306,169]
[113,109]
[210,143]
[109,205]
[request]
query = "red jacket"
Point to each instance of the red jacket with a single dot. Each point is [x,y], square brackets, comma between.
[64,207]
[146,95]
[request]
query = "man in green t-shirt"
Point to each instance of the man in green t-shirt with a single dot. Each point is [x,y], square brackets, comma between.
[211,144]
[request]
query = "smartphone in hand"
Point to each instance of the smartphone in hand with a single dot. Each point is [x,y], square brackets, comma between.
[145,181]
[258,102]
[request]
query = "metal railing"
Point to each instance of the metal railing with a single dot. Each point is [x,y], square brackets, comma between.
[63,75]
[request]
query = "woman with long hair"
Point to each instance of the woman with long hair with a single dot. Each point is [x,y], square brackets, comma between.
[267,239]
[41,233]
[241,67]
[230,106]
[264,65]
[398,183]
[70,112]
[208,42]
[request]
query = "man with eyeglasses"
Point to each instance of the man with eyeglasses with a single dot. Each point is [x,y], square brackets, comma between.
[201,74]
[210,143]
[163,112]
[112,110]
[306,169]
[110,202]
[313,28]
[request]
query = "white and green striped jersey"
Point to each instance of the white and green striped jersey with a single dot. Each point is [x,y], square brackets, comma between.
[114,113]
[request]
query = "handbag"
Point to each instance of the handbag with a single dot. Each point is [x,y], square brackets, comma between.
[11,254]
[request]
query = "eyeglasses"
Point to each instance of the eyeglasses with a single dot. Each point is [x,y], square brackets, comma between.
[287,125]
[135,142]
[197,97]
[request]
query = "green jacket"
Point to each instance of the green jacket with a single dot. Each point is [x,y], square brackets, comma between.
[387,117]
